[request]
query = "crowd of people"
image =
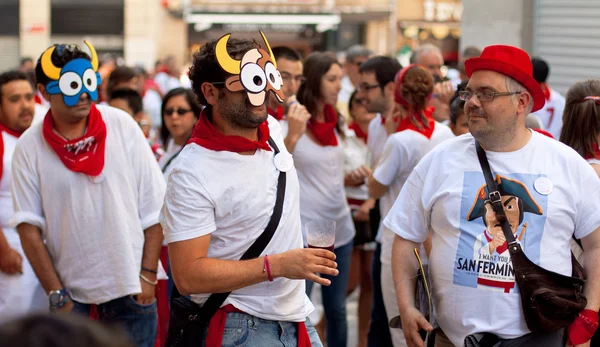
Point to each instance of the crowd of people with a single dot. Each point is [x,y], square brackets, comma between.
[125,195]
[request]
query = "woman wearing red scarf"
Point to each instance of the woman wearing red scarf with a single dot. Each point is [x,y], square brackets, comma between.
[413,134]
[319,158]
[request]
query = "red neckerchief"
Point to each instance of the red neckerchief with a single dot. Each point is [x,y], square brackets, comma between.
[10,132]
[358,131]
[37,99]
[597,154]
[277,114]
[206,135]
[426,131]
[84,154]
[216,328]
[543,132]
[546,90]
[325,132]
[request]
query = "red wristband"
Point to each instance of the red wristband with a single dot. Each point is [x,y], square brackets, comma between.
[584,327]
[267,268]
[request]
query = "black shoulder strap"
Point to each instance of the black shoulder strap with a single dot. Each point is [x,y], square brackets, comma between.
[215,300]
[494,194]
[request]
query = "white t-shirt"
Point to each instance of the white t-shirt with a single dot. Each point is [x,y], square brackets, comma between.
[167,160]
[377,137]
[355,156]
[166,82]
[559,194]
[6,203]
[94,232]
[231,197]
[401,154]
[322,193]
[552,112]
[39,113]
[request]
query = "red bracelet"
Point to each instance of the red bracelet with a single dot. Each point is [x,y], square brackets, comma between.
[267,268]
[584,327]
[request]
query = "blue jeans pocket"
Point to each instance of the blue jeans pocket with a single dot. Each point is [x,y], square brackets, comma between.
[238,330]
[139,308]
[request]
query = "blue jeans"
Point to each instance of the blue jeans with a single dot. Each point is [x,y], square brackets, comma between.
[334,298]
[242,329]
[139,321]
[379,333]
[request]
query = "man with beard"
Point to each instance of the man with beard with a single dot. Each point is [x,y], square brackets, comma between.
[87,194]
[221,195]
[438,196]
[20,290]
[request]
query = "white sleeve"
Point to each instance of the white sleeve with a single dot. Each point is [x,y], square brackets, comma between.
[408,217]
[284,128]
[26,191]
[150,180]
[394,155]
[587,217]
[188,211]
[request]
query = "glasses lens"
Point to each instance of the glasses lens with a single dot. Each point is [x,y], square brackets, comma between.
[182,111]
[169,111]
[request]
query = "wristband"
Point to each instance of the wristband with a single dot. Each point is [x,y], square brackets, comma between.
[149,270]
[145,279]
[267,268]
[584,327]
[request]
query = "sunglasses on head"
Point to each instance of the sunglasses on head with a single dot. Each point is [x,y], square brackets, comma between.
[179,111]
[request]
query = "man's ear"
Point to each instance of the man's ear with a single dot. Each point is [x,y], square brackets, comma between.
[211,93]
[42,89]
[523,101]
[388,89]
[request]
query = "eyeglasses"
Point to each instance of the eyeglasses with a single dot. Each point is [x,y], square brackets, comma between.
[466,95]
[357,63]
[179,111]
[286,77]
[364,87]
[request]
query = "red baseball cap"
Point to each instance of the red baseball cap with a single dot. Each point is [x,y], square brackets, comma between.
[512,62]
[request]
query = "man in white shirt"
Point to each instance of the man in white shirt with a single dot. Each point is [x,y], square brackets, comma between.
[552,112]
[20,290]
[220,197]
[87,193]
[561,190]
[355,56]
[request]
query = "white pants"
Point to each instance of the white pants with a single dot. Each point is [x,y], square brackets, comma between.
[388,289]
[21,294]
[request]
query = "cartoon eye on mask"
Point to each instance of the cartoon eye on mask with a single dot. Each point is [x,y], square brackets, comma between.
[256,72]
[75,78]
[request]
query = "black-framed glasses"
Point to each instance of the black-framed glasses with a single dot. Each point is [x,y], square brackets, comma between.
[466,95]
[179,111]
[364,87]
[286,77]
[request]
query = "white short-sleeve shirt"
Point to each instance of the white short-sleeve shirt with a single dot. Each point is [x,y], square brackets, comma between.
[231,197]
[376,141]
[355,156]
[94,231]
[473,285]
[552,112]
[6,203]
[322,193]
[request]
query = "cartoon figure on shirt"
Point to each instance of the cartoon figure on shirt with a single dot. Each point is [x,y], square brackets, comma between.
[491,247]
[256,73]
[75,78]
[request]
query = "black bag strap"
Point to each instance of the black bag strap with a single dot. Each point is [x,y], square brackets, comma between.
[215,300]
[494,195]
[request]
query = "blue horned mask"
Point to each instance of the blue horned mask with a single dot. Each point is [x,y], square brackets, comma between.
[75,78]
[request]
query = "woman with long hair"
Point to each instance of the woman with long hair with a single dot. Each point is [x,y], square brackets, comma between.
[413,134]
[179,112]
[581,121]
[319,159]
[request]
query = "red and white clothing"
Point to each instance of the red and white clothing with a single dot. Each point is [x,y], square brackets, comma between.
[95,235]
[20,294]
[355,156]
[231,197]
[551,113]
[322,195]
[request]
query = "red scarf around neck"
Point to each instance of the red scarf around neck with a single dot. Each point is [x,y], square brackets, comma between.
[84,154]
[276,113]
[10,132]
[406,123]
[359,132]
[206,135]
[589,156]
[325,132]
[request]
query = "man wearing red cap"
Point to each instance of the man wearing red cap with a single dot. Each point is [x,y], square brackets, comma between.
[439,195]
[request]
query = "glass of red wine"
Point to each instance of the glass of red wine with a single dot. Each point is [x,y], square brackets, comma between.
[321,234]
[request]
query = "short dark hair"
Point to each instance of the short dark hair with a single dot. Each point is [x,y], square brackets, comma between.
[191,100]
[60,57]
[456,104]
[121,74]
[541,70]
[133,98]
[61,330]
[206,68]
[284,52]
[10,76]
[26,60]
[385,69]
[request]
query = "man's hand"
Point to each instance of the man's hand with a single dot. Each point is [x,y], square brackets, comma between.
[147,296]
[11,262]
[444,91]
[412,322]
[357,177]
[297,117]
[303,264]
[363,213]
[67,307]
